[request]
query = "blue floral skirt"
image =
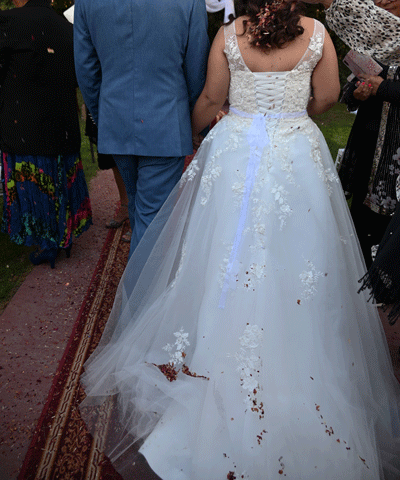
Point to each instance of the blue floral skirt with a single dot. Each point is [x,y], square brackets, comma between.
[46,199]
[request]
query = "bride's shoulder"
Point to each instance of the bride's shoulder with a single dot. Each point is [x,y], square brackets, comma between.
[240,24]
[309,24]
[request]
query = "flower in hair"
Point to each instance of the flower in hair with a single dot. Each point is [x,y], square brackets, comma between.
[265,16]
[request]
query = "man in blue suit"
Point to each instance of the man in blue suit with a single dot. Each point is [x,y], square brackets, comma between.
[141,65]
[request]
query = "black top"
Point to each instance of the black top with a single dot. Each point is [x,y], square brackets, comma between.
[38,108]
[356,166]
[383,278]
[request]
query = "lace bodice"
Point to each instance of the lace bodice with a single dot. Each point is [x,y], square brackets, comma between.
[271,92]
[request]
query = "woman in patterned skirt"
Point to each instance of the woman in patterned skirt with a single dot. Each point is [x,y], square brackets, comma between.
[46,196]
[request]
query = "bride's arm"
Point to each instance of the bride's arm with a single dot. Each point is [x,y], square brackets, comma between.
[216,87]
[325,80]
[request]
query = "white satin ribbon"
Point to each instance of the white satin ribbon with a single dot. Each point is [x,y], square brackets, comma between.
[217,5]
[258,139]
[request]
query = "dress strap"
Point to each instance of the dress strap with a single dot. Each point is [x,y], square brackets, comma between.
[315,47]
[232,50]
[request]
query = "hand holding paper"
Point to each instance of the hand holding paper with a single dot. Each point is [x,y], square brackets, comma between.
[361,65]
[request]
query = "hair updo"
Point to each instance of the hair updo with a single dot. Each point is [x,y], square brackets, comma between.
[271,23]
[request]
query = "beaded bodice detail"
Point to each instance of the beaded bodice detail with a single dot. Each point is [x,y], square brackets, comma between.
[271,92]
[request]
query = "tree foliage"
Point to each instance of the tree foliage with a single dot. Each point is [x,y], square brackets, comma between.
[58,5]
[6,4]
[61,5]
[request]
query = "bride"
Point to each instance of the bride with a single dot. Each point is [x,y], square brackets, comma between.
[238,346]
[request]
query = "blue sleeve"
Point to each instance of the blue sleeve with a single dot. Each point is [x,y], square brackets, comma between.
[87,63]
[197,50]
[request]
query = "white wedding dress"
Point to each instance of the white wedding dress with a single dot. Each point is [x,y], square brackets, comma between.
[247,282]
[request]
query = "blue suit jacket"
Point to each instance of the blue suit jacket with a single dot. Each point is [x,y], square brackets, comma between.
[141,65]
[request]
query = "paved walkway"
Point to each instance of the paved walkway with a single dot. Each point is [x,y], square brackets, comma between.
[36,325]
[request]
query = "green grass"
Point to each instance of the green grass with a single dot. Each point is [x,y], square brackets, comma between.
[335,126]
[14,259]
[14,262]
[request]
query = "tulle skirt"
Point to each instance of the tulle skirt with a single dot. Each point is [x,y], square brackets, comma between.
[238,346]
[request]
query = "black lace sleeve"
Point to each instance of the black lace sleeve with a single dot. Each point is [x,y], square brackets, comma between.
[383,278]
[389,91]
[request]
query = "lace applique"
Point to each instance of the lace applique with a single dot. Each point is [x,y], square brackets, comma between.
[190,172]
[242,79]
[327,175]
[211,173]
[223,267]
[242,82]
[283,209]
[238,191]
[309,279]
[177,357]
[212,170]
[249,364]
[261,209]
[232,50]
[298,89]
[317,44]
[256,272]
[314,51]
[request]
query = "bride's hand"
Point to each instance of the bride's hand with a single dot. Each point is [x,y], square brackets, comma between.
[196,140]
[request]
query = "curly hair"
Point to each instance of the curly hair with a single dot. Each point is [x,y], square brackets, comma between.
[271,23]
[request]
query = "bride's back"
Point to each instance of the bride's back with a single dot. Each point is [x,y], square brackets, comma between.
[296,46]
[276,59]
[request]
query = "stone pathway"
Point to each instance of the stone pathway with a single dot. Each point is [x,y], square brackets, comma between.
[36,325]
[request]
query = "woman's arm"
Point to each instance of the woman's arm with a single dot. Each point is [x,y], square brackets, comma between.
[365,27]
[216,87]
[325,80]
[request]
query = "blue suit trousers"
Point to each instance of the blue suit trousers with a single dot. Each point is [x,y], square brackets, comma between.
[148,182]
